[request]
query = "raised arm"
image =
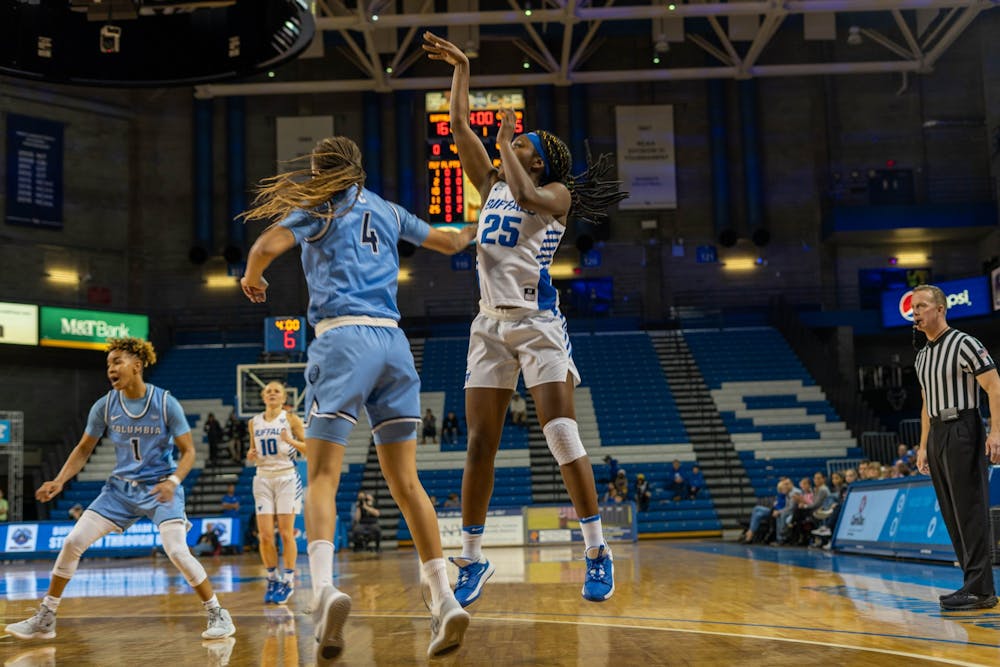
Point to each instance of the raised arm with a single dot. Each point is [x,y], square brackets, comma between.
[552,198]
[475,160]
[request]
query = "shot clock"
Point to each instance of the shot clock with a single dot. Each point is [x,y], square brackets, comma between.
[451,198]
[285,334]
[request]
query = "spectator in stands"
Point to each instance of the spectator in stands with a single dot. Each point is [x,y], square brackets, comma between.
[677,483]
[452,501]
[4,507]
[850,476]
[827,514]
[612,464]
[208,543]
[236,431]
[621,485]
[429,427]
[696,482]
[75,512]
[900,469]
[214,434]
[231,502]
[642,492]
[518,410]
[365,523]
[905,455]
[761,512]
[449,428]
[611,494]
[814,497]
[784,519]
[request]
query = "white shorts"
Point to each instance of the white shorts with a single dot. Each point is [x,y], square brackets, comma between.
[504,343]
[277,495]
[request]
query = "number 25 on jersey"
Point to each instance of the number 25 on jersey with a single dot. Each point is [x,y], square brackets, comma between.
[500,231]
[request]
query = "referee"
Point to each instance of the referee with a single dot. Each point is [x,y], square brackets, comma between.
[953,444]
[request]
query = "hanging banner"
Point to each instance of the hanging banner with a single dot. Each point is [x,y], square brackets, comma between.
[646,160]
[18,324]
[34,172]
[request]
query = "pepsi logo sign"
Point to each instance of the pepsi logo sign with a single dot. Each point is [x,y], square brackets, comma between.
[906,306]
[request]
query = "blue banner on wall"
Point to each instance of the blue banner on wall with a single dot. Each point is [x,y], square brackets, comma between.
[968,297]
[42,539]
[34,172]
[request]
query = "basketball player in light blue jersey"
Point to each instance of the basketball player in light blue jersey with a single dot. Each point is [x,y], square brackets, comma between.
[360,360]
[144,422]
[519,329]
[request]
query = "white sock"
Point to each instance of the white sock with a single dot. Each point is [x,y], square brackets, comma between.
[593,532]
[211,604]
[289,577]
[272,574]
[472,542]
[321,565]
[436,577]
[51,602]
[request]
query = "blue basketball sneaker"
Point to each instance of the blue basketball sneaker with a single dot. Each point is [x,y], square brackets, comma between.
[272,588]
[600,582]
[283,591]
[472,575]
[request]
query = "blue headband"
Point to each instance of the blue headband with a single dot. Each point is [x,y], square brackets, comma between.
[536,141]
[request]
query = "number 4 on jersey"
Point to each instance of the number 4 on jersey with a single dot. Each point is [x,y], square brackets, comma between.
[368,234]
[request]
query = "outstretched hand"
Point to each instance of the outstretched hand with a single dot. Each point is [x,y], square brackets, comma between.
[255,291]
[438,48]
[48,491]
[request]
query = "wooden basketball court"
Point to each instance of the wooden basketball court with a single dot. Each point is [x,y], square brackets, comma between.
[676,603]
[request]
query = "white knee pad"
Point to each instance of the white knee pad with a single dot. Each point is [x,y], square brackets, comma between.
[174,536]
[90,528]
[563,438]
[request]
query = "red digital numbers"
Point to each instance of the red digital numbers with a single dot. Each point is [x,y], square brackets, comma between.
[289,340]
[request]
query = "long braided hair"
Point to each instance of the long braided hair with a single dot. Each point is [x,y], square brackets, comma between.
[335,165]
[590,195]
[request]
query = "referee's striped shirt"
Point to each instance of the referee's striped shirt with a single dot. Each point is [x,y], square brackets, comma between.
[947,370]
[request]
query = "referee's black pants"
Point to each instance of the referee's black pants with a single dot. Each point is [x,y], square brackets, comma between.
[956,452]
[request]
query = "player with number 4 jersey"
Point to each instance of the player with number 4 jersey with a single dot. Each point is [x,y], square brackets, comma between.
[359,360]
[277,437]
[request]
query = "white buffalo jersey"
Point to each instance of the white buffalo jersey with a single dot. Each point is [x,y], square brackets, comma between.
[273,453]
[515,249]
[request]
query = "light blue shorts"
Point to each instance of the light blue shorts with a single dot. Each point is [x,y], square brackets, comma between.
[359,367]
[124,503]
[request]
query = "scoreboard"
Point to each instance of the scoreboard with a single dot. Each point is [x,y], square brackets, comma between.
[285,334]
[451,198]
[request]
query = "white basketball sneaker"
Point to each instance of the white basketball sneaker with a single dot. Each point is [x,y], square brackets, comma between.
[220,624]
[448,627]
[40,626]
[329,617]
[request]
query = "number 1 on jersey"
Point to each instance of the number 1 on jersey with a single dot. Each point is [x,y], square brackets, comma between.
[136,454]
[368,235]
